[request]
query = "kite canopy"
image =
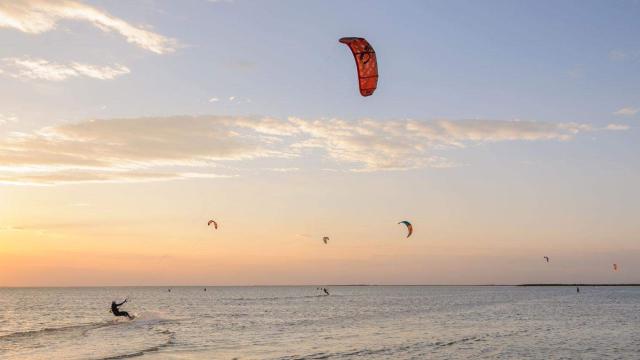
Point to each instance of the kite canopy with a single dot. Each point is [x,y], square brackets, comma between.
[325,239]
[409,227]
[366,63]
[215,224]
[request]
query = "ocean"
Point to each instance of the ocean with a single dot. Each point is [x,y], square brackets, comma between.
[299,322]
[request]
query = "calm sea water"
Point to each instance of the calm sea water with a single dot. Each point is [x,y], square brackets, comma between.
[377,322]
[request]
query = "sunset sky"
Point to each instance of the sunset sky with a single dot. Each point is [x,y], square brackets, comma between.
[503,130]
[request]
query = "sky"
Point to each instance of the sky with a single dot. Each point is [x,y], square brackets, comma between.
[505,131]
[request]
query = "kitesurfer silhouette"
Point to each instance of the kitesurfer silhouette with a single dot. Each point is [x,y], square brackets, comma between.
[117,312]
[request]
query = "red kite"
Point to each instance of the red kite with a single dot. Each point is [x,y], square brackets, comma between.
[366,63]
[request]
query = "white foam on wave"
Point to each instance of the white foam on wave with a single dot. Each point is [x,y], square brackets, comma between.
[150,317]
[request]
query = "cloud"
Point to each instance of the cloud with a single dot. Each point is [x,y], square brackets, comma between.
[8,118]
[179,147]
[80,204]
[237,100]
[623,55]
[409,144]
[626,111]
[96,176]
[284,170]
[123,150]
[9,228]
[40,69]
[576,72]
[617,55]
[231,99]
[39,16]
[617,127]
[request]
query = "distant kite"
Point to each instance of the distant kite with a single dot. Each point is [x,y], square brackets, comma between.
[325,239]
[215,224]
[366,63]
[546,258]
[615,267]
[409,227]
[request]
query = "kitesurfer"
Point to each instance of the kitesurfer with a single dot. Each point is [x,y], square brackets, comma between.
[117,312]
[325,291]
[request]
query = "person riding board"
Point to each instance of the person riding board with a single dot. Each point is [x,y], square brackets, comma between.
[117,312]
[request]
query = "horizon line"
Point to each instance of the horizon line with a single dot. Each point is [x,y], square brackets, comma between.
[332,285]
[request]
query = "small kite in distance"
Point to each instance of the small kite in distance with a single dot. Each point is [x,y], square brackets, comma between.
[546,258]
[215,224]
[325,239]
[409,227]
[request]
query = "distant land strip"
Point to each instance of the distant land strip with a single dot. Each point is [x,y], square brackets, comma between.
[579,285]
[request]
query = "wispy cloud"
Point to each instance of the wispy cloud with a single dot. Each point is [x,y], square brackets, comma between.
[617,127]
[96,176]
[166,148]
[408,144]
[8,118]
[40,69]
[627,111]
[617,55]
[576,72]
[230,99]
[80,204]
[141,149]
[623,55]
[39,16]
[284,170]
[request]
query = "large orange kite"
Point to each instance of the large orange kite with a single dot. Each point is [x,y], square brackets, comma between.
[366,63]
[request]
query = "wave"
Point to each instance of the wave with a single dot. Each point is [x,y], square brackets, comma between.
[278,297]
[145,318]
[151,317]
[392,351]
[168,343]
[459,341]
[146,322]
[344,354]
[77,327]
